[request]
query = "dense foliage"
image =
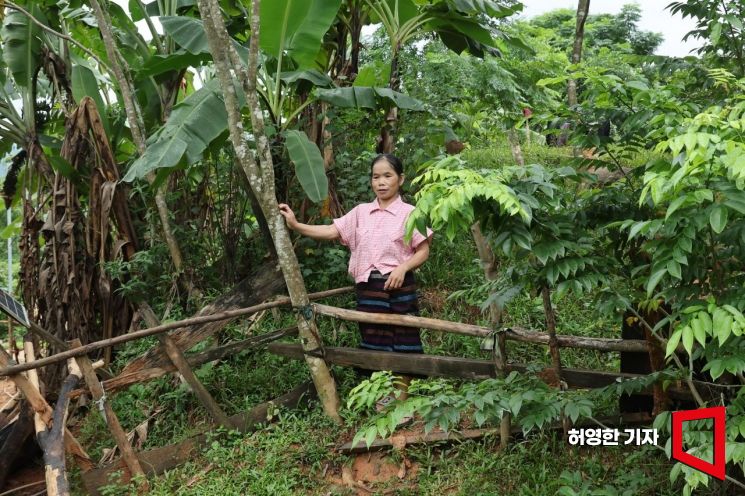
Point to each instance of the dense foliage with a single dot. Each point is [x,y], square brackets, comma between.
[641,216]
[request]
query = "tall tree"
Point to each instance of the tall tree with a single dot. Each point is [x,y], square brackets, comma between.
[459,25]
[261,178]
[583,7]
[134,117]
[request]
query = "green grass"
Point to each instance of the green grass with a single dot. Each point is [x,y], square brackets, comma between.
[295,456]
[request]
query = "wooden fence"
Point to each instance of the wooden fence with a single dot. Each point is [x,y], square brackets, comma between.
[153,462]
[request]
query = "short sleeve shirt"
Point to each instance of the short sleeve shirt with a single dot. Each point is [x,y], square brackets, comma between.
[375,237]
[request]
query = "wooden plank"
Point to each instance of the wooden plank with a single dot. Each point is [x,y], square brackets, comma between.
[462,368]
[124,380]
[158,460]
[407,439]
[152,331]
[117,432]
[204,397]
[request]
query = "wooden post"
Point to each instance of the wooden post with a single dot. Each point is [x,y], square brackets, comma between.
[179,361]
[40,405]
[99,397]
[51,440]
[33,377]
[489,264]
[553,347]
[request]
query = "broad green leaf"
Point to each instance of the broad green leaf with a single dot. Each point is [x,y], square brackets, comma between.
[189,33]
[296,27]
[688,339]
[162,153]
[637,227]
[716,33]
[401,100]
[153,10]
[722,325]
[675,205]
[654,279]
[698,331]
[639,85]
[734,20]
[461,35]
[309,167]
[718,218]
[311,75]
[705,319]
[303,46]
[84,84]
[490,7]
[21,43]
[159,64]
[280,20]
[376,73]
[367,97]
[673,268]
[193,124]
[672,343]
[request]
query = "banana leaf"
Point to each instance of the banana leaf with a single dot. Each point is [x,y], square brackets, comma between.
[189,33]
[296,26]
[21,44]
[194,123]
[309,167]
[368,97]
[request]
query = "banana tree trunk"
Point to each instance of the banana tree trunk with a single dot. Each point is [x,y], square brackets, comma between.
[261,179]
[386,141]
[583,7]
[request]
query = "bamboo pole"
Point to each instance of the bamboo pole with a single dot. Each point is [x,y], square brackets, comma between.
[117,432]
[578,342]
[97,345]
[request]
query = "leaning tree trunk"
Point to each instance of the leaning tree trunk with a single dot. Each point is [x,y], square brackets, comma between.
[261,179]
[123,78]
[583,8]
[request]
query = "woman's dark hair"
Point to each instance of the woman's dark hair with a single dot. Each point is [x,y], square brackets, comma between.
[395,162]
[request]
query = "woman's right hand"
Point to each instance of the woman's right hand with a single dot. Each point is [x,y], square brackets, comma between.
[288,214]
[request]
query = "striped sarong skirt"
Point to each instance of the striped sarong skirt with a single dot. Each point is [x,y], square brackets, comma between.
[371,297]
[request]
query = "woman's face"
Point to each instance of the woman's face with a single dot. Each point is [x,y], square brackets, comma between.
[385,182]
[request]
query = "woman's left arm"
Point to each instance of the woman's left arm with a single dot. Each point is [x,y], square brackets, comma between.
[396,277]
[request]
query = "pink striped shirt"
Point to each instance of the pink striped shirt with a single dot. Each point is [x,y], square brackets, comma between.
[375,237]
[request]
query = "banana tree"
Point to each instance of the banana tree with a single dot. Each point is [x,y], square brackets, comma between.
[291,77]
[458,23]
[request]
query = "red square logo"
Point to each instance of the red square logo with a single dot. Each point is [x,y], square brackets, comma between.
[717,413]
